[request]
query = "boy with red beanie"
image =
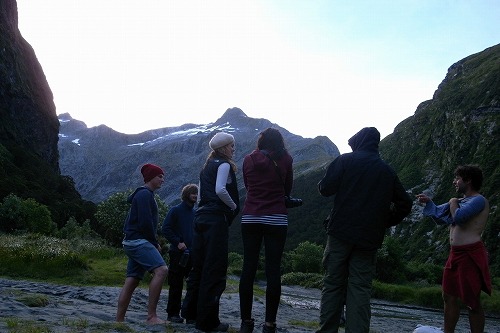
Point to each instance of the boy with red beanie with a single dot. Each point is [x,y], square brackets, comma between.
[141,246]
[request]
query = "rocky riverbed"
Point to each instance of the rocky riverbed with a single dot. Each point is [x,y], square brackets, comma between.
[27,306]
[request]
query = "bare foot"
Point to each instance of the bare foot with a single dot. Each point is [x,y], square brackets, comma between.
[156,321]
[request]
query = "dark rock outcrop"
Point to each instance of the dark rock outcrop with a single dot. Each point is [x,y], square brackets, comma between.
[27,107]
[29,155]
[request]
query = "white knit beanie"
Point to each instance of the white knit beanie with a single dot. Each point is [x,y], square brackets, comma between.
[220,139]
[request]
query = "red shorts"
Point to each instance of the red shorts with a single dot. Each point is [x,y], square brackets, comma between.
[466,273]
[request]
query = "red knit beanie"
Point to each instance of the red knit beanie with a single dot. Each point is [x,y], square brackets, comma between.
[150,171]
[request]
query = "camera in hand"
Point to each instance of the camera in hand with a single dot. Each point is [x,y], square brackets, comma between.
[184,258]
[291,202]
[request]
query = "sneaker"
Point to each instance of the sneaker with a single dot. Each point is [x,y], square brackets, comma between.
[247,326]
[175,319]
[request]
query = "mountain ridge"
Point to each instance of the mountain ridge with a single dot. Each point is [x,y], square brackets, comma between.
[92,156]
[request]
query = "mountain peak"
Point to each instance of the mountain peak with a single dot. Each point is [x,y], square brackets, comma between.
[232,114]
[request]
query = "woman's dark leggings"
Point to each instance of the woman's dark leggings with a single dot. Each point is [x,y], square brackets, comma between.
[274,242]
[207,279]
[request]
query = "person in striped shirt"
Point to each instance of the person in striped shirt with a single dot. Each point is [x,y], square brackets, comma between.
[268,177]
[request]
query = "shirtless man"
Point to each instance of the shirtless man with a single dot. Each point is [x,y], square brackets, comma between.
[466,271]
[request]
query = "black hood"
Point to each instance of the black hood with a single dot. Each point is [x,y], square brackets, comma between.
[366,140]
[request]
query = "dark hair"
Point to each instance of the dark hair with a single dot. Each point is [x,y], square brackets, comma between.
[472,173]
[271,140]
[188,190]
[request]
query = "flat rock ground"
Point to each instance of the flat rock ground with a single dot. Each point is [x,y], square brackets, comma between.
[92,309]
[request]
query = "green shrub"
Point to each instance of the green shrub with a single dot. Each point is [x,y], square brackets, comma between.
[491,304]
[390,266]
[235,263]
[25,214]
[37,217]
[307,280]
[424,272]
[111,214]
[286,262]
[11,214]
[307,258]
[73,230]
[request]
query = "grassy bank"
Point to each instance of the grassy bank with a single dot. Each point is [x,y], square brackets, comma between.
[92,263]
[422,294]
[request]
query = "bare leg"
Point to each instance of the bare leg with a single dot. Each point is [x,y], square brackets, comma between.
[451,313]
[155,286]
[476,320]
[125,295]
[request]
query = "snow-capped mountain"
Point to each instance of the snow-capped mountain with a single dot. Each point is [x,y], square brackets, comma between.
[102,161]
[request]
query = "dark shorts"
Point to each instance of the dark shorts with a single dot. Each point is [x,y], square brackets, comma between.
[142,258]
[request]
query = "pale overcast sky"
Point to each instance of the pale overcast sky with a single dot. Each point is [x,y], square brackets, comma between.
[313,67]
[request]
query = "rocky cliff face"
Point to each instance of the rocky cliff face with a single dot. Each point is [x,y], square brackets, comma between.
[103,161]
[460,125]
[27,108]
[29,156]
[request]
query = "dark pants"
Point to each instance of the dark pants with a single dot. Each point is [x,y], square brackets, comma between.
[176,276]
[349,274]
[207,280]
[274,242]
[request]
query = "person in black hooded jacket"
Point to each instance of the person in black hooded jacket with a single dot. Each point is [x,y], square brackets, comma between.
[368,198]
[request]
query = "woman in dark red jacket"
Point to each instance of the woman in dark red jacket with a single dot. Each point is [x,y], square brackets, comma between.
[268,177]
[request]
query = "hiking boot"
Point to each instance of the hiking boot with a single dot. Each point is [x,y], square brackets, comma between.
[269,329]
[247,326]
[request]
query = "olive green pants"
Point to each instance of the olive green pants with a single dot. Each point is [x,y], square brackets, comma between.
[349,272]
